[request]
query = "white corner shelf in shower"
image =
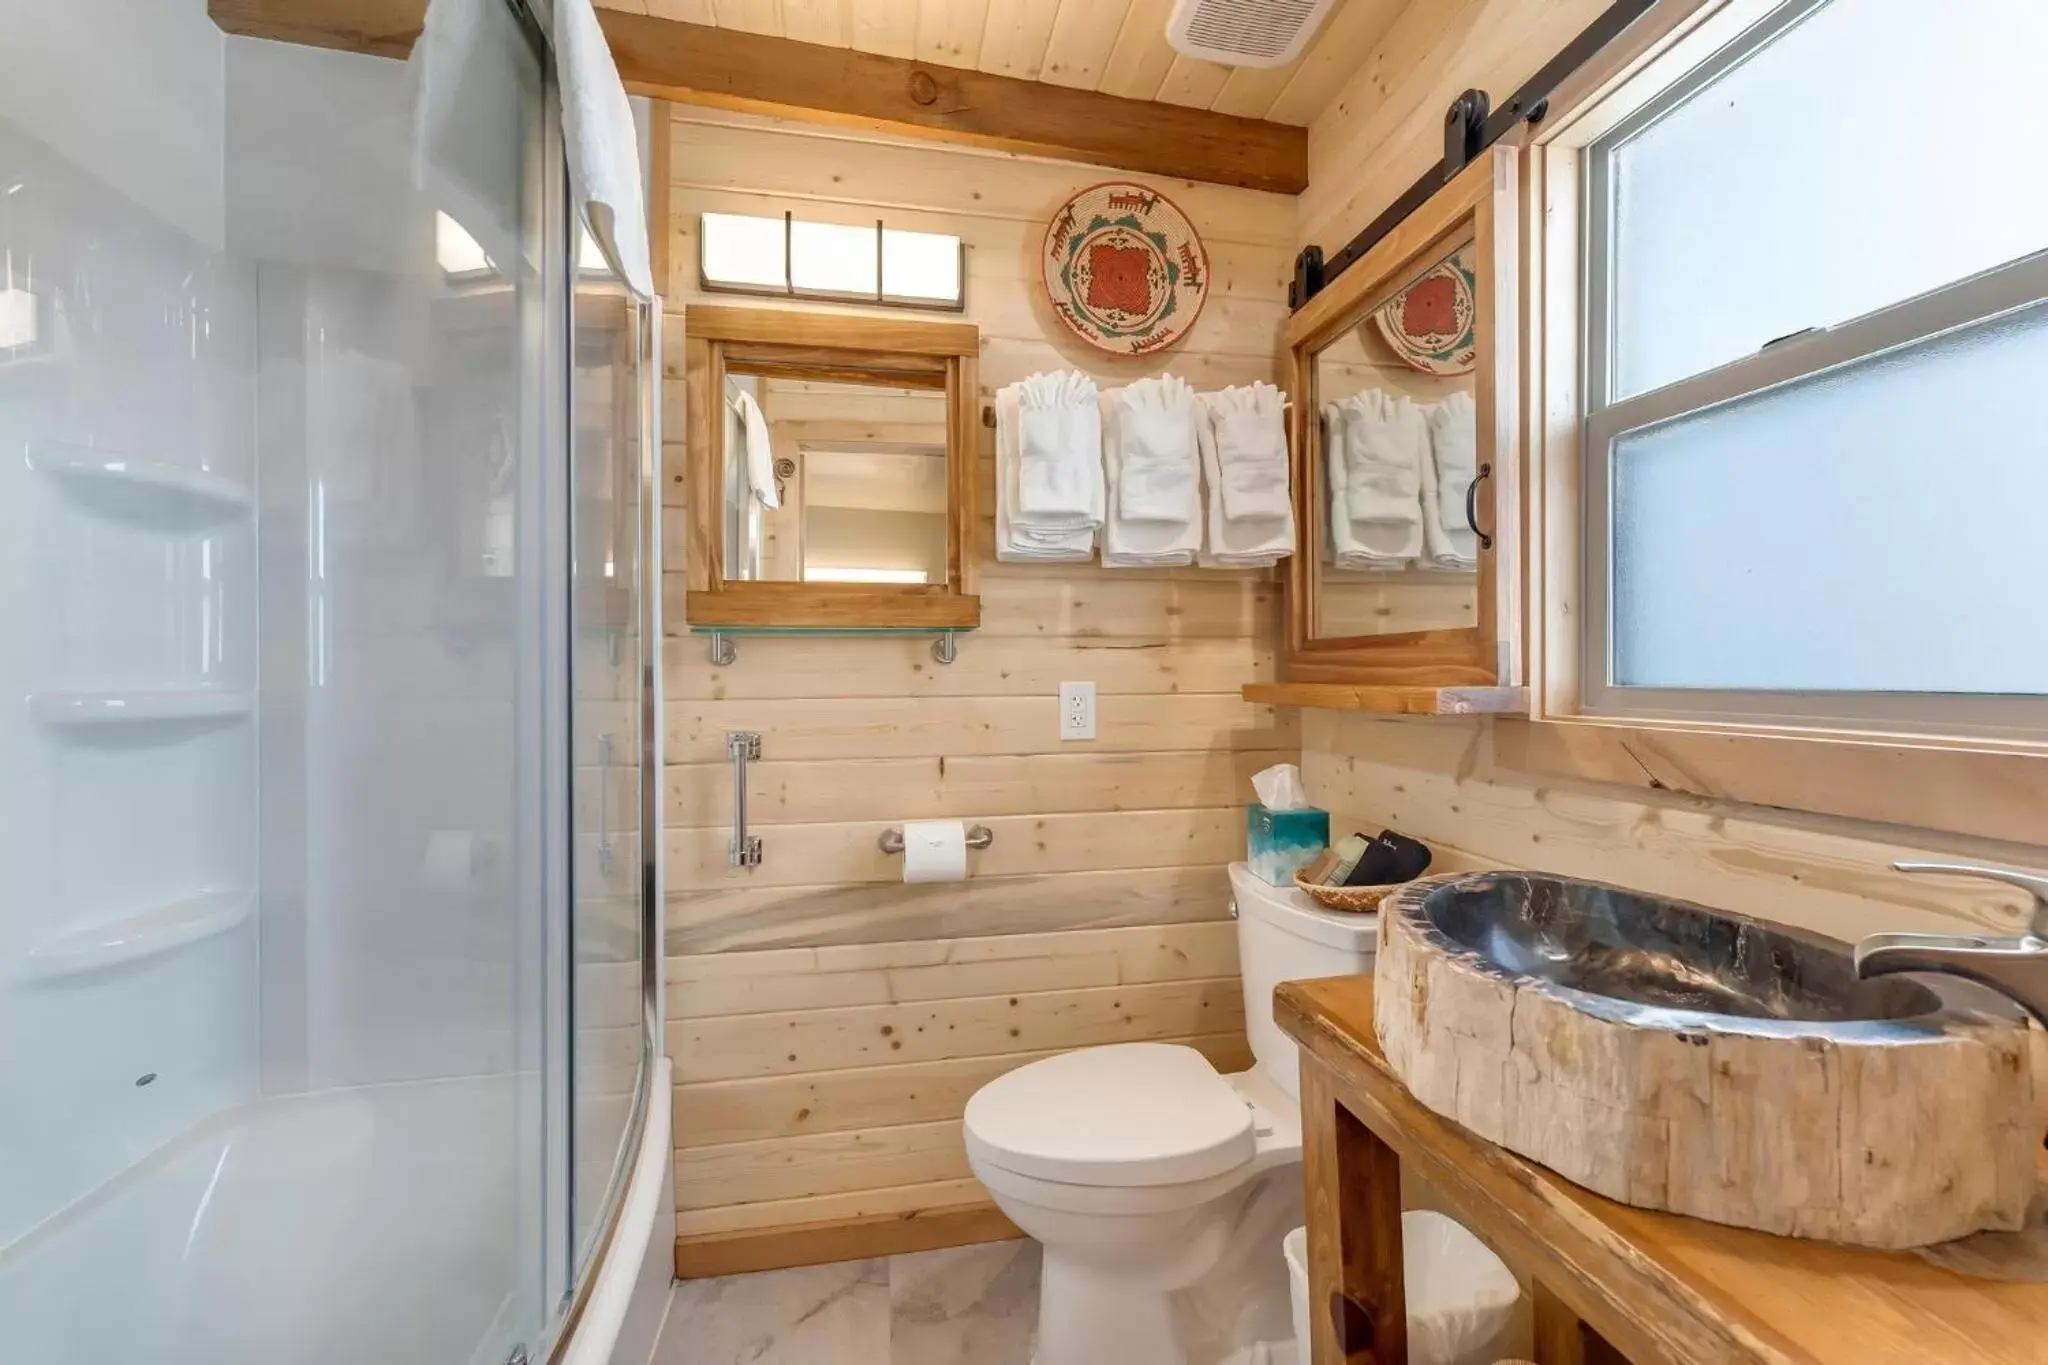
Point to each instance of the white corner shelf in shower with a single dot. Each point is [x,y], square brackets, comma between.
[143,486]
[149,932]
[140,706]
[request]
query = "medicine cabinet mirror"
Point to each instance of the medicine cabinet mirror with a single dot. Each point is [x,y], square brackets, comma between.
[1404,452]
[832,465]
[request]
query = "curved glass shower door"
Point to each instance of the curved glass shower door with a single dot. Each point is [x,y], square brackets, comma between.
[322,941]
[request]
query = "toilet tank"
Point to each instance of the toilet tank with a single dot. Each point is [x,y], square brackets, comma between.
[1282,935]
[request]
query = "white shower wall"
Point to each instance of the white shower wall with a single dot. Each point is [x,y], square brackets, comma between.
[127,581]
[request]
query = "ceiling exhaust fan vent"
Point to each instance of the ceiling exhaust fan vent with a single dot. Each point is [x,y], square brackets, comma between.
[1244,32]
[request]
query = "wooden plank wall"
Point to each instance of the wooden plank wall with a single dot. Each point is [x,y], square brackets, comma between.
[1385,127]
[1453,782]
[828,1023]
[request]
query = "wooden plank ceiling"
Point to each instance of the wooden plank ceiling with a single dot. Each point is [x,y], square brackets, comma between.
[1079,80]
[1115,47]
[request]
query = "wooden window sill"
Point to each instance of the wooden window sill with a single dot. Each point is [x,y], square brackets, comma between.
[1394,701]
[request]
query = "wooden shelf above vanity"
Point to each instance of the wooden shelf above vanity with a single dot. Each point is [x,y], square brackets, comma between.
[1394,701]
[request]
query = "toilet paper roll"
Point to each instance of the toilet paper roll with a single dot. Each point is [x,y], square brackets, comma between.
[934,851]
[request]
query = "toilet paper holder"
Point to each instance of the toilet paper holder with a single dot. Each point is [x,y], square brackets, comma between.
[978,836]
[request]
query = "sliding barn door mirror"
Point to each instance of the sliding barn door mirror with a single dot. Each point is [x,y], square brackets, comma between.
[832,465]
[1404,451]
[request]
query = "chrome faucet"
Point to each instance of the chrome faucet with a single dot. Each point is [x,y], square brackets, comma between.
[2014,965]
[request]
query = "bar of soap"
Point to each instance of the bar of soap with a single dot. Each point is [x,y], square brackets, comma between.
[1318,872]
[1349,849]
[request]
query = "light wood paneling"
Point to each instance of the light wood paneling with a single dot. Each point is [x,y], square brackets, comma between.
[835,1101]
[785,1044]
[710,919]
[926,788]
[1441,781]
[712,1252]
[828,1023]
[1384,127]
[949,100]
[1114,46]
[718,985]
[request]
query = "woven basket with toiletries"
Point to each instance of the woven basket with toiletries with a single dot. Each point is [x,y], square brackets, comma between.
[1356,899]
[1356,873]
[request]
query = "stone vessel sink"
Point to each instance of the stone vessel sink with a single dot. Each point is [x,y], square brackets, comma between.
[1677,1057]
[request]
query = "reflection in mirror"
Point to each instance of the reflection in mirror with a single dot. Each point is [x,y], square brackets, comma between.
[1394,442]
[829,482]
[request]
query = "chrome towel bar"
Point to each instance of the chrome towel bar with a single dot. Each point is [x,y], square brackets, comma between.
[740,747]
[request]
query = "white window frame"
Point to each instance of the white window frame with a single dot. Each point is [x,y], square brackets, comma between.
[1575,621]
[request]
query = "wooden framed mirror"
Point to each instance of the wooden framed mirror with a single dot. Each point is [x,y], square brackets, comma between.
[1404,447]
[831,471]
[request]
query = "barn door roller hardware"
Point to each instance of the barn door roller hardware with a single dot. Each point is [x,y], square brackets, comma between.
[1471,125]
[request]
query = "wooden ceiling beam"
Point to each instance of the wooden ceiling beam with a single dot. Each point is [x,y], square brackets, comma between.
[730,69]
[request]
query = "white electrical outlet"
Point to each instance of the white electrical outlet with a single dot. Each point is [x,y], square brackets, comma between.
[1077,710]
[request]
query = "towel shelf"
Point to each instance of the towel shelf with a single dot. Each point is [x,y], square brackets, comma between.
[1394,701]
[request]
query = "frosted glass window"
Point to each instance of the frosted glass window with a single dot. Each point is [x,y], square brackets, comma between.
[831,258]
[1774,199]
[920,265]
[1862,530]
[744,251]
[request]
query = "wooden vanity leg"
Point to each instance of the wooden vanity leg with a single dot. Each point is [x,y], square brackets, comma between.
[1563,1338]
[1358,1307]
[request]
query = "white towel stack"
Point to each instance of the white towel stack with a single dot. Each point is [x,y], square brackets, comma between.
[1376,454]
[1049,494]
[1448,541]
[1242,433]
[1151,460]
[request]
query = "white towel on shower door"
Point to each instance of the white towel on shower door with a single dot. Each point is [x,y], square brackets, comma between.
[602,144]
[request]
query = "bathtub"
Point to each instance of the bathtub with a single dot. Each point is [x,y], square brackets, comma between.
[378,1224]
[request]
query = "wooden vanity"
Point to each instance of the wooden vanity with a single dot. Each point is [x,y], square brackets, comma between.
[1613,1283]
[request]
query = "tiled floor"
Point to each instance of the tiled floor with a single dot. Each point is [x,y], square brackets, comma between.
[975,1304]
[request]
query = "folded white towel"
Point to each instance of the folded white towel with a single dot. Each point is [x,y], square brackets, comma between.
[1150,457]
[1249,424]
[1054,539]
[1390,544]
[1243,542]
[1386,442]
[603,148]
[1059,462]
[1448,541]
[1158,465]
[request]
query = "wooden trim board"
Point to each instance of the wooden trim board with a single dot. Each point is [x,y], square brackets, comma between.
[1394,701]
[706,1255]
[727,68]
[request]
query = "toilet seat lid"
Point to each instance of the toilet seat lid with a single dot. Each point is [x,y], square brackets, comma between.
[1126,1114]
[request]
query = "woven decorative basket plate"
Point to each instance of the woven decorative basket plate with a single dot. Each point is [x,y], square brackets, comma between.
[1353,898]
[1124,268]
[1429,324]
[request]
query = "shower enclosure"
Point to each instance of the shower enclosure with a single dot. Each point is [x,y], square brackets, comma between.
[327,1008]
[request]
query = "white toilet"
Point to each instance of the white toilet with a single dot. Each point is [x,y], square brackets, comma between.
[1141,1169]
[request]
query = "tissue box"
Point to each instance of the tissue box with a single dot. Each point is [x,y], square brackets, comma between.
[1279,843]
